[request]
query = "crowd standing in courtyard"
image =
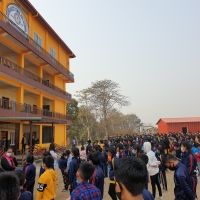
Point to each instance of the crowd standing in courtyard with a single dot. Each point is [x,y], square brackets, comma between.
[130,162]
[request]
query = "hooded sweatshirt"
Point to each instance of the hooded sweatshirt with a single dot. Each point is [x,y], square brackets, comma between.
[46,189]
[152,160]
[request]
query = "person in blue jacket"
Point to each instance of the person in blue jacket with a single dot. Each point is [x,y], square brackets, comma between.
[89,146]
[30,172]
[102,161]
[62,164]
[73,167]
[127,170]
[97,178]
[183,189]
[189,160]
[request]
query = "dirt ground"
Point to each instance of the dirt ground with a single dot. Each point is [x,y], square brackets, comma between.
[169,195]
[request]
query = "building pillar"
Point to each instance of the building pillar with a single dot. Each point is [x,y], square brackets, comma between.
[21,135]
[53,105]
[40,71]
[3,8]
[53,79]
[21,60]
[30,136]
[20,94]
[40,101]
[52,133]
[65,135]
[40,136]
[65,107]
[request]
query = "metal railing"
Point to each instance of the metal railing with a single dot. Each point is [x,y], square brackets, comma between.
[1,151]
[6,20]
[27,108]
[31,75]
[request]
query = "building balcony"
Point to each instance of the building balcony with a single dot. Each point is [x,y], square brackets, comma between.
[14,109]
[14,71]
[14,34]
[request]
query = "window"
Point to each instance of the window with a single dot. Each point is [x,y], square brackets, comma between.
[12,138]
[38,41]
[47,134]
[53,54]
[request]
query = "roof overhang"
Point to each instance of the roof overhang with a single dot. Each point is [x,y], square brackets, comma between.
[39,120]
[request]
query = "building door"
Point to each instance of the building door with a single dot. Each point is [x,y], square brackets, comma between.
[4,134]
[46,109]
[184,130]
[5,102]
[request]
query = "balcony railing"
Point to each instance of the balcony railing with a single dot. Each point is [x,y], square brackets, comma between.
[31,75]
[5,19]
[27,108]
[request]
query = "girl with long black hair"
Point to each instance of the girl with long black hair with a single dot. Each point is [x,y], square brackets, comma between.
[111,190]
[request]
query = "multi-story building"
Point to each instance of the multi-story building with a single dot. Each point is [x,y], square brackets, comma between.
[34,70]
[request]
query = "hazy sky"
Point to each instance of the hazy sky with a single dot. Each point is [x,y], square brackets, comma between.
[151,48]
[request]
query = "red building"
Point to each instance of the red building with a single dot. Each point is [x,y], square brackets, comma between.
[179,125]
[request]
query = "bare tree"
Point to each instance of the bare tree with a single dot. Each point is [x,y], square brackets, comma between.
[87,119]
[105,95]
[86,111]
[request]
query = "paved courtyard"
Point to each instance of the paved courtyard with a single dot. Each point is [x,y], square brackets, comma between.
[64,195]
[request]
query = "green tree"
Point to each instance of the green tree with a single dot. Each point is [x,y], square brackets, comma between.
[73,111]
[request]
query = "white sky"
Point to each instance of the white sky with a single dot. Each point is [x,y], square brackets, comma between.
[151,48]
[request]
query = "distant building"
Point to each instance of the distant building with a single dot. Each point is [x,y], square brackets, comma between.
[148,128]
[34,70]
[179,125]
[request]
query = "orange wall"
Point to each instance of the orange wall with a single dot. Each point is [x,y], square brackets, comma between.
[35,26]
[61,55]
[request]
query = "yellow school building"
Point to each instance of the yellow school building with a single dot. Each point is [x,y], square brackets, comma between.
[34,72]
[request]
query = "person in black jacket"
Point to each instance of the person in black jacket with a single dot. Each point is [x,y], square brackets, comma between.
[8,160]
[166,145]
[62,163]
[24,143]
[30,172]
[177,150]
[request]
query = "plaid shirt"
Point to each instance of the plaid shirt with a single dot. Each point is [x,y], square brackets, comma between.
[86,191]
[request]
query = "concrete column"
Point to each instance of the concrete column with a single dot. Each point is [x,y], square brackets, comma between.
[40,72]
[65,107]
[40,101]
[53,105]
[20,94]
[20,135]
[40,136]
[21,60]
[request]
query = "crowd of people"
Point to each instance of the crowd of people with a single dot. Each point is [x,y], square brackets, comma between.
[130,162]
